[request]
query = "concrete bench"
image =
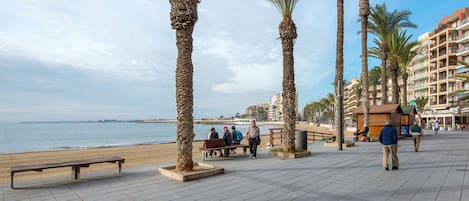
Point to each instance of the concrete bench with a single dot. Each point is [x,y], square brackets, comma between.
[219,144]
[74,164]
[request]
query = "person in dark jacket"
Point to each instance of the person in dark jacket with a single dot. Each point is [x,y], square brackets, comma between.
[388,138]
[227,137]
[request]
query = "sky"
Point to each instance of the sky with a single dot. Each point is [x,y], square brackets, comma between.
[115,59]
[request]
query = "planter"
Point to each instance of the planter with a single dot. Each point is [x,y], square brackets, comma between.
[281,154]
[200,170]
[346,144]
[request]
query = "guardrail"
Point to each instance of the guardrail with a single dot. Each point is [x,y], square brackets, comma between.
[276,136]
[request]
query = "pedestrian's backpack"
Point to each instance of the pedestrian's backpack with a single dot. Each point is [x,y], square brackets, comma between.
[239,136]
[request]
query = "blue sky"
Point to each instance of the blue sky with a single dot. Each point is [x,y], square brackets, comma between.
[115,59]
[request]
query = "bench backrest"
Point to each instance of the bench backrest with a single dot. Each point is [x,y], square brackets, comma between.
[214,143]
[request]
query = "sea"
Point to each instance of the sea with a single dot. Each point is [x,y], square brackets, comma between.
[27,137]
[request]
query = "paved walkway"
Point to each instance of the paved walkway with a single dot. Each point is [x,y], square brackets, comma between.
[438,172]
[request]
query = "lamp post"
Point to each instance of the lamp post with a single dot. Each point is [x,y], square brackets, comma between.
[340,119]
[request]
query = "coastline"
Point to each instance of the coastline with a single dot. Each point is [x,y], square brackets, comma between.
[135,155]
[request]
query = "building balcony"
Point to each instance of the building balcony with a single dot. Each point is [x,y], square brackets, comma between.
[433,57]
[464,25]
[453,38]
[433,91]
[419,77]
[420,88]
[463,52]
[419,66]
[420,57]
[461,69]
[464,39]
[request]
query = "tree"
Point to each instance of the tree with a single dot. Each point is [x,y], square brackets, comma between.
[183,16]
[421,102]
[358,91]
[287,30]
[374,79]
[383,24]
[364,12]
[339,70]
[407,53]
[400,52]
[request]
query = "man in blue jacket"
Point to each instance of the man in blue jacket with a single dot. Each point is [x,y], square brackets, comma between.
[388,138]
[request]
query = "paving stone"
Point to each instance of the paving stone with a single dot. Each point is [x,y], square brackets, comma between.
[437,172]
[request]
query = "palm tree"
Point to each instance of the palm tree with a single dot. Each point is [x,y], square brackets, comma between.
[183,17]
[408,52]
[331,106]
[364,12]
[421,102]
[400,51]
[287,30]
[374,79]
[339,69]
[358,91]
[383,24]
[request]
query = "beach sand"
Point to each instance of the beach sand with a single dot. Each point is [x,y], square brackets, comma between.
[139,155]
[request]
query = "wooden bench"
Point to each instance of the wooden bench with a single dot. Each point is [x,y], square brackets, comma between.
[74,164]
[219,144]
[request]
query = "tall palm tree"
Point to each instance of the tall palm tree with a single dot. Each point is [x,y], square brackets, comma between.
[374,79]
[408,52]
[364,12]
[400,50]
[421,102]
[339,69]
[287,30]
[331,100]
[358,91]
[383,24]
[183,16]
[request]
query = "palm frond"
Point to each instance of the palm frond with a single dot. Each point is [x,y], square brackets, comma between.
[285,7]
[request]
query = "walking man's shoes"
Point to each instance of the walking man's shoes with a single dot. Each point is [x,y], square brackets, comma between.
[395,167]
[386,168]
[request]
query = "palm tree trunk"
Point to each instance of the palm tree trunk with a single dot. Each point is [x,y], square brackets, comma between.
[183,16]
[384,58]
[395,85]
[288,34]
[374,94]
[339,65]
[364,12]
[404,88]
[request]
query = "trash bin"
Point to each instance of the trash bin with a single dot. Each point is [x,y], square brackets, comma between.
[301,140]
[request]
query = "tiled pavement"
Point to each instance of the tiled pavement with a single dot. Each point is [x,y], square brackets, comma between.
[438,172]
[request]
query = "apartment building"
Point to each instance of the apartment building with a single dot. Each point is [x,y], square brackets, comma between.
[448,43]
[418,68]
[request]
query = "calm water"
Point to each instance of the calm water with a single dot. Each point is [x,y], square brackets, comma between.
[22,137]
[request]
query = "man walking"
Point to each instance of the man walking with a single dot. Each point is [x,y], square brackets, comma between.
[388,138]
[437,126]
[252,135]
[416,132]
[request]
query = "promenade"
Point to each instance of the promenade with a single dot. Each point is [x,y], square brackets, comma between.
[440,171]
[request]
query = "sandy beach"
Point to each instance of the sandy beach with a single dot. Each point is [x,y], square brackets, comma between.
[139,155]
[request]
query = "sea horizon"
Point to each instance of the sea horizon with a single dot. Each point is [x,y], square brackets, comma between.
[31,137]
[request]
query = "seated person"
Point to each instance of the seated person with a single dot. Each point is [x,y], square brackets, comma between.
[363,133]
[236,135]
[227,138]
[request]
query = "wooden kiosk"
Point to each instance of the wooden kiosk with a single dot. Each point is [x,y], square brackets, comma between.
[407,119]
[378,116]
